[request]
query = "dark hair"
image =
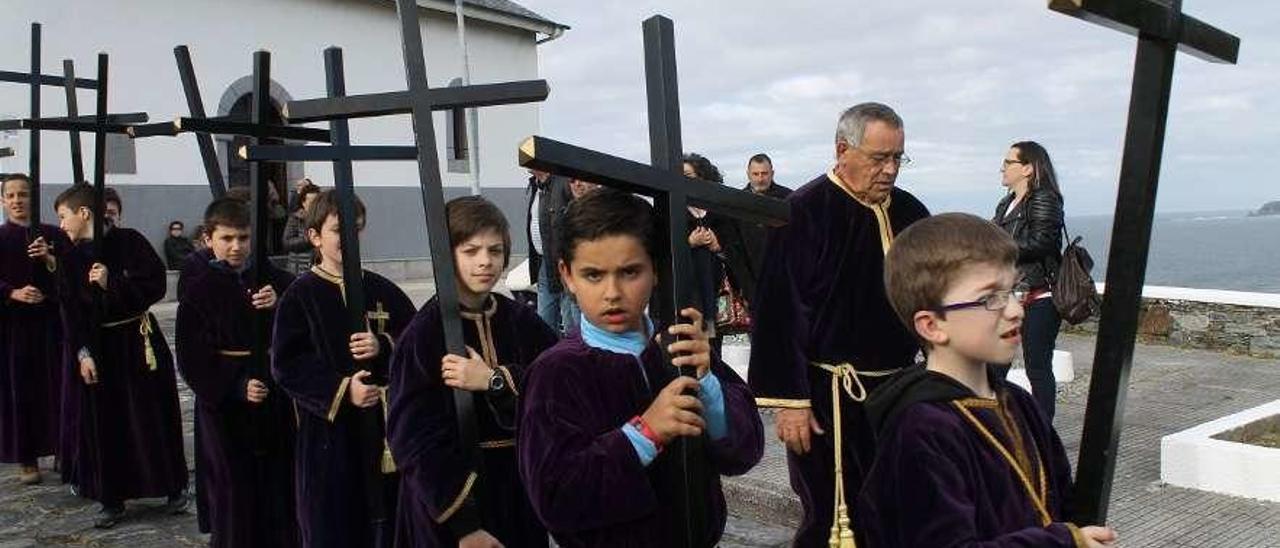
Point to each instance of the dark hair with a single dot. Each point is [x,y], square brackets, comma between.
[1042,173]
[228,212]
[703,168]
[607,212]
[471,215]
[761,158]
[303,192]
[925,259]
[14,177]
[110,195]
[77,196]
[177,224]
[326,205]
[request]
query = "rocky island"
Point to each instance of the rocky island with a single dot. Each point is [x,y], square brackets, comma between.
[1269,208]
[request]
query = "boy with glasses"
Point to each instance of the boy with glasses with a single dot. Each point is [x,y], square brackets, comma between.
[963,457]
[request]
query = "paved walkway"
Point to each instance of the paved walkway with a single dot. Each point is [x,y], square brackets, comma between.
[1170,390]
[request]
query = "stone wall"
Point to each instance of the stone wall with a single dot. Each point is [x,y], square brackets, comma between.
[1227,321]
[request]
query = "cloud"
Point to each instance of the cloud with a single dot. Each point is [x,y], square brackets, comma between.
[969,78]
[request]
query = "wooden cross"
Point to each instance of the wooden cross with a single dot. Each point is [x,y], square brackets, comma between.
[1162,29]
[195,105]
[672,193]
[35,79]
[418,100]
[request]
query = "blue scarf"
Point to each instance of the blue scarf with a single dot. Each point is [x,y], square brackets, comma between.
[630,342]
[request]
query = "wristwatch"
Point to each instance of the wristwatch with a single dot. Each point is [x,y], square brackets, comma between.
[497,381]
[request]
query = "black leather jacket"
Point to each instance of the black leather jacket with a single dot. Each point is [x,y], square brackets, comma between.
[1036,225]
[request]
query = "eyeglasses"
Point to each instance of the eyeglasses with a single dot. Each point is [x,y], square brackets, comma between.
[996,301]
[883,158]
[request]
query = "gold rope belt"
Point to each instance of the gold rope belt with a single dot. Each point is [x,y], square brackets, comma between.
[145,329]
[847,377]
[235,353]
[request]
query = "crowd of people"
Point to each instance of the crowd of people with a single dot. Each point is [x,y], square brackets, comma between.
[880,337]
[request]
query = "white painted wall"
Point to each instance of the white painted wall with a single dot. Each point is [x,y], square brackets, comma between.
[222,34]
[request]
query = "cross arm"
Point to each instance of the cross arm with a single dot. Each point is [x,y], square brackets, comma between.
[572,161]
[286,153]
[400,102]
[1150,17]
[115,123]
[250,129]
[49,123]
[44,79]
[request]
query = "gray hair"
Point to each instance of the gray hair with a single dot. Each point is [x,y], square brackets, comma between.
[853,122]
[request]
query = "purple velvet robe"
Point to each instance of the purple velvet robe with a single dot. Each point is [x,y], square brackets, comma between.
[311,361]
[31,357]
[128,426]
[443,498]
[583,476]
[192,269]
[939,481]
[245,450]
[821,298]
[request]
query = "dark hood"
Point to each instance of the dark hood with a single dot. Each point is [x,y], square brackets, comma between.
[914,385]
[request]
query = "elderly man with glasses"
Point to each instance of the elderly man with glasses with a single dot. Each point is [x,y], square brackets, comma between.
[824,334]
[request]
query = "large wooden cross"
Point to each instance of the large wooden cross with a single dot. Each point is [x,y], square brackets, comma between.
[418,100]
[1162,29]
[673,193]
[35,79]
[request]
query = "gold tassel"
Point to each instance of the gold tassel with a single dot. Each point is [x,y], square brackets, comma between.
[388,462]
[841,532]
[145,329]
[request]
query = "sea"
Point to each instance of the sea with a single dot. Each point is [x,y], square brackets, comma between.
[1203,250]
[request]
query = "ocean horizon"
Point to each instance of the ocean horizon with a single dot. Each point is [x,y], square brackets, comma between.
[1224,249]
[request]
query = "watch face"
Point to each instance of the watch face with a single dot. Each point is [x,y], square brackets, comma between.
[497,381]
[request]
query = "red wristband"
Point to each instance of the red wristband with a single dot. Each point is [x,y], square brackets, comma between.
[639,424]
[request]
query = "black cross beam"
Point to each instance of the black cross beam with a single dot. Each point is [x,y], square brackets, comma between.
[195,105]
[419,100]
[1161,29]
[341,154]
[111,123]
[34,79]
[672,193]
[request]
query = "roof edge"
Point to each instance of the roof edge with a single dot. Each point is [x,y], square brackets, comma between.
[543,26]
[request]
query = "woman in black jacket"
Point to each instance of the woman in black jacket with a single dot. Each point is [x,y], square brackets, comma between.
[707,233]
[1032,213]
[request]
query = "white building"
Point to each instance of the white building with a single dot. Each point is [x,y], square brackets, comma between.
[140,35]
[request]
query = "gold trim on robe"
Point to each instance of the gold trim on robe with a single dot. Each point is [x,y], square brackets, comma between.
[783,403]
[235,353]
[337,398]
[511,381]
[457,502]
[1037,496]
[881,210]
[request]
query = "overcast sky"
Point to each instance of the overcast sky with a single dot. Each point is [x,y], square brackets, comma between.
[968,77]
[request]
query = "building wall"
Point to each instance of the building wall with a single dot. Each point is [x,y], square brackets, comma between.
[140,36]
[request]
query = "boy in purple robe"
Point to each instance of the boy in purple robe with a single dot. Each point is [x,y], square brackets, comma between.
[128,422]
[31,359]
[599,407]
[246,433]
[343,467]
[964,457]
[444,501]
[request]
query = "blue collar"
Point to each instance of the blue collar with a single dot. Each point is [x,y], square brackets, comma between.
[631,342]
